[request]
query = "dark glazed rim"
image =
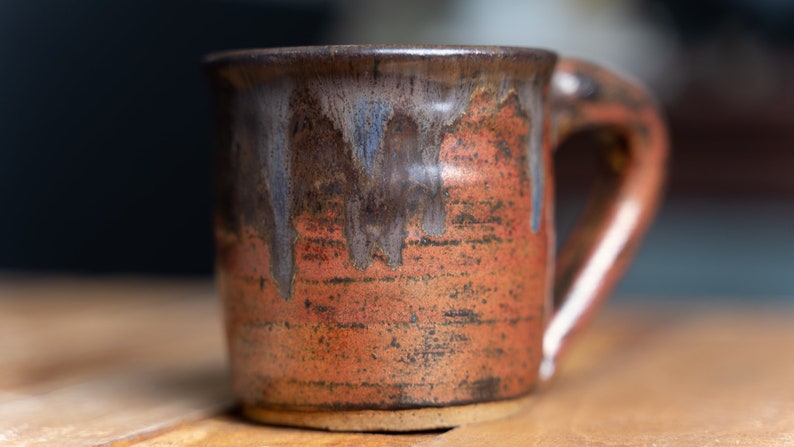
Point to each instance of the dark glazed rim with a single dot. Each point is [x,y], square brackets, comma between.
[270,55]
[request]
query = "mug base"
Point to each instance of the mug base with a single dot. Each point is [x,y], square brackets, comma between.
[416,419]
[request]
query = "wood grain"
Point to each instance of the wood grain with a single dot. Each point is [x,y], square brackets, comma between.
[134,362]
[96,362]
[709,378]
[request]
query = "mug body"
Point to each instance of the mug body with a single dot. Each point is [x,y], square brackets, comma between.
[383,224]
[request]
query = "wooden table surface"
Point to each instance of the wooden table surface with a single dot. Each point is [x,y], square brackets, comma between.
[133,362]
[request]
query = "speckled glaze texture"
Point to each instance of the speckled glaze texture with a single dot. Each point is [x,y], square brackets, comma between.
[384,224]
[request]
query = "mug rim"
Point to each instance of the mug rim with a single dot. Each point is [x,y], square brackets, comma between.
[296,53]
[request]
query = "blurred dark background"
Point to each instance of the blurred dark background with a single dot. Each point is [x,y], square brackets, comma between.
[105,123]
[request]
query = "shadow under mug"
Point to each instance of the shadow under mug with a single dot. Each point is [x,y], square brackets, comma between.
[384,226]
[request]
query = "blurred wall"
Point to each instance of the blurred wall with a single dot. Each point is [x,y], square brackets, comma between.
[105,164]
[105,123]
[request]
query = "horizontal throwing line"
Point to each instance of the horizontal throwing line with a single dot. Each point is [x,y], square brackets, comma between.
[367,279]
[399,325]
[423,242]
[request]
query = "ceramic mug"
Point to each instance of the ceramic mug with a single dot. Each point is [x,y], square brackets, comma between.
[385,226]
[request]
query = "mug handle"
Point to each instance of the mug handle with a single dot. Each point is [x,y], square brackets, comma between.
[623,201]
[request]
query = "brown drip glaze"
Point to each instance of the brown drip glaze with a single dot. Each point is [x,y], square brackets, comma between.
[390,119]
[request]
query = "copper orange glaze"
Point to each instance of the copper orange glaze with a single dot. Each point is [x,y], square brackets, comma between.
[384,224]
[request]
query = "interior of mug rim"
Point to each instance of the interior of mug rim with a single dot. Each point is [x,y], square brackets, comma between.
[257,55]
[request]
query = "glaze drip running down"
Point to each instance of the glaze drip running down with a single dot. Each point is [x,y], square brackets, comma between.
[413,115]
[531,103]
[263,119]
[383,137]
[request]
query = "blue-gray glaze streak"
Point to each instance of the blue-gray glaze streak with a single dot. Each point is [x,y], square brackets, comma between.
[361,108]
[535,158]
[371,119]
[442,106]
[264,116]
[530,100]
